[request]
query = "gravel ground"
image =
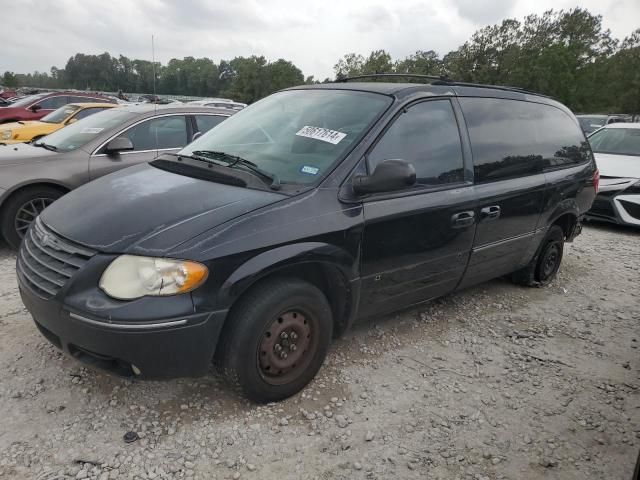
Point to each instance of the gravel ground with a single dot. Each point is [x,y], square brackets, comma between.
[495,382]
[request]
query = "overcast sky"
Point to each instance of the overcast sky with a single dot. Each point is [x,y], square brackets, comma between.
[314,35]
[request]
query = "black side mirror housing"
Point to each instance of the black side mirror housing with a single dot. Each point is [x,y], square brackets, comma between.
[35,108]
[388,176]
[118,144]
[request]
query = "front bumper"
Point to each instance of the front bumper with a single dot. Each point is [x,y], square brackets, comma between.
[617,202]
[155,337]
[167,348]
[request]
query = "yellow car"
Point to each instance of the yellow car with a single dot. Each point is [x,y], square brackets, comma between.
[27,131]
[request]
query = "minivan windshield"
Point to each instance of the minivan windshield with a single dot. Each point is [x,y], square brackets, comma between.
[617,141]
[83,131]
[295,135]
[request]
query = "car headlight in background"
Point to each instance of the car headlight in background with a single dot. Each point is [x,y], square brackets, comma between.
[131,276]
[5,135]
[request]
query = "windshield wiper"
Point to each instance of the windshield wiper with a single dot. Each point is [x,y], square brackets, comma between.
[233,160]
[46,146]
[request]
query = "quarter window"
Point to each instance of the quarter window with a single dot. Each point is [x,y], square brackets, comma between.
[511,138]
[427,136]
[159,133]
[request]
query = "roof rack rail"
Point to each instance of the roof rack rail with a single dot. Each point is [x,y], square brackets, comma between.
[434,78]
[439,80]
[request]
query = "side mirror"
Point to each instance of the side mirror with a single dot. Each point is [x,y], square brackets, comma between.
[118,144]
[388,176]
[196,135]
[35,108]
[72,120]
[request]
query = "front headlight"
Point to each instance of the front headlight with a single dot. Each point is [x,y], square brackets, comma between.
[5,135]
[131,276]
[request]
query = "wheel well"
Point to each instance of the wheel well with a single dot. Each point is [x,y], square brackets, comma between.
[329,280]
[30,186]
[567,222]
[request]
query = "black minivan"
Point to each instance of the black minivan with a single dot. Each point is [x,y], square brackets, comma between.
[266,237]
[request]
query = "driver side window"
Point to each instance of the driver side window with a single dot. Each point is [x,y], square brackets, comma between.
[427,136]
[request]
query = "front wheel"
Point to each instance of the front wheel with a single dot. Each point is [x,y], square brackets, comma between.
[276,339]
[22,208]
[545,265]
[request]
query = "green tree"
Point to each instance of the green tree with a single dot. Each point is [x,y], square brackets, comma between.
[349,66]
[9,79]
[421,62]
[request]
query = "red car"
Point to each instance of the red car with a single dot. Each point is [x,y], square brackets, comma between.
[34,107]
[4,93]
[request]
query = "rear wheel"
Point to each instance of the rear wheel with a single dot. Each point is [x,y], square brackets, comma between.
[545,265]
[276,339]
[22,208]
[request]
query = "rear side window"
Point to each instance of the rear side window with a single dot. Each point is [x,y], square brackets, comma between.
[427,136]
[207,122]
[511,138]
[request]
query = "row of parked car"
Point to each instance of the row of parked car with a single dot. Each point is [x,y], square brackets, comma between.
[46,151]
[265,237]
[590,123]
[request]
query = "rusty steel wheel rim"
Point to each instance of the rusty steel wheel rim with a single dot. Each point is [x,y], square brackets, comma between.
[287,347]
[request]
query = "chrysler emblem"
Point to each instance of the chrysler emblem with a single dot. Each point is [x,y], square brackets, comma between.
[48,241]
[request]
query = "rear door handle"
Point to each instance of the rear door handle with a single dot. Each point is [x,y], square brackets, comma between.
[463,219]
[490,213]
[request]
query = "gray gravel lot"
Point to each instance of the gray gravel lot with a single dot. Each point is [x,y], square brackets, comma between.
[498,381]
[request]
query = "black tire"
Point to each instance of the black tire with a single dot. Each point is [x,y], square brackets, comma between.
[14,218]
[545,264]
[245,355]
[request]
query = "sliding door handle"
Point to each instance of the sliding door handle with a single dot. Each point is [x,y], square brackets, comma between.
[490,213]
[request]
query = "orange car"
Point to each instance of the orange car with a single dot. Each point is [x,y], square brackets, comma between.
[27,131]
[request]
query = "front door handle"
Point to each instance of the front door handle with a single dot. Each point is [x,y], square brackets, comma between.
[463,219]
[490,213]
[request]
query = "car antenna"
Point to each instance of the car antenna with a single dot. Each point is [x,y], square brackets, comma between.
[155,101]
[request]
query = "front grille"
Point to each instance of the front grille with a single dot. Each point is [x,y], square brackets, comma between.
[602,206]
[46,261]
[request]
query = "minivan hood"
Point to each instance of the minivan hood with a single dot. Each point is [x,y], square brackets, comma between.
[18,152]
[145,210]
[624,166]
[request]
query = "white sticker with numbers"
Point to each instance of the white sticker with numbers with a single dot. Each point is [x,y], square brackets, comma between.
[319,133]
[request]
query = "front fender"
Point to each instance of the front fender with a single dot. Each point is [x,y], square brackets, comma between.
[271,261]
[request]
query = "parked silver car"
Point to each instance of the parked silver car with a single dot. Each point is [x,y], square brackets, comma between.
[32,176]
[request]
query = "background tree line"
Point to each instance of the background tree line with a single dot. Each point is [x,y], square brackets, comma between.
[565,54]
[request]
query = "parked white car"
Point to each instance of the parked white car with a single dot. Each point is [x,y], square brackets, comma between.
[617,151]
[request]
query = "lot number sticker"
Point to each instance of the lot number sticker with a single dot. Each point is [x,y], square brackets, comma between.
[91,130]
[324,134]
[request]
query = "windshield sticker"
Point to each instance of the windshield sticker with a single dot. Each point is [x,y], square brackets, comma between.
[319,133]
[309,170]
[91,130]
